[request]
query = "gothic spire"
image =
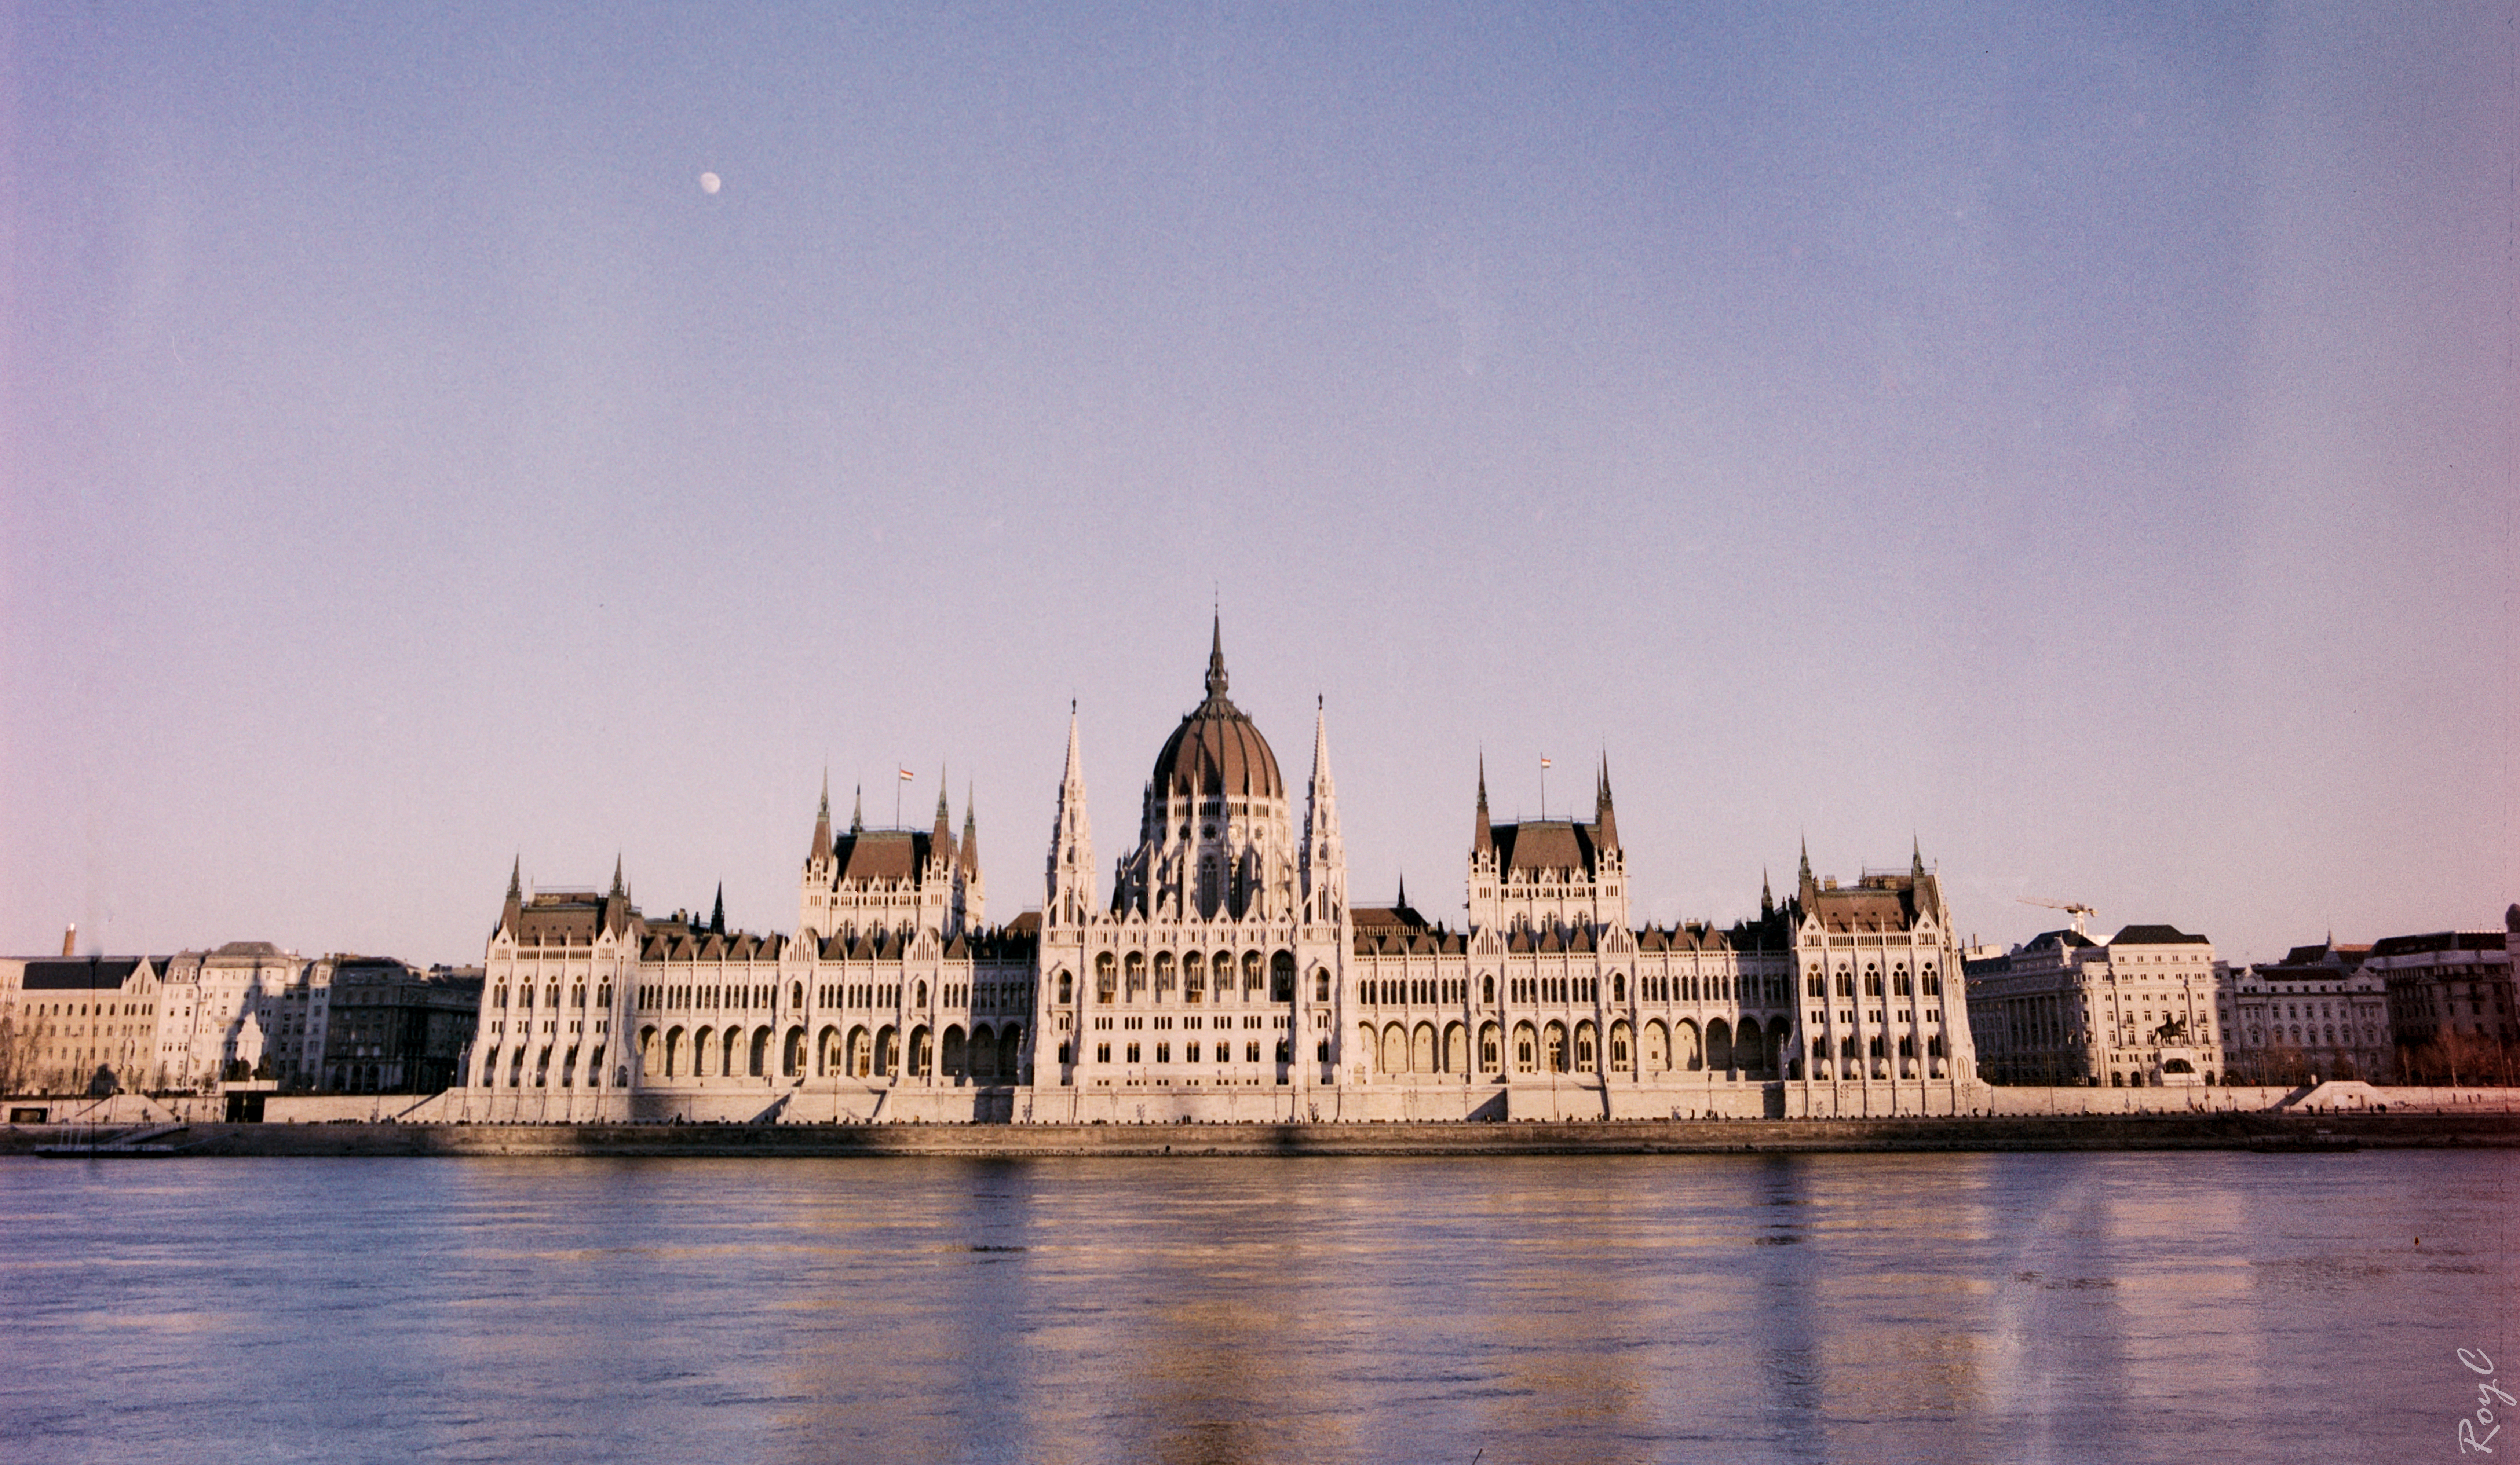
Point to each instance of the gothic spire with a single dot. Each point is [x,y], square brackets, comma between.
[1767,898]
[514,912]
[1605,824]
[616,877]
[1069,895]
[1482,837]
[717,912]
[969,850]
[857,811]
[1216,660]
[821,849]
[1321,749]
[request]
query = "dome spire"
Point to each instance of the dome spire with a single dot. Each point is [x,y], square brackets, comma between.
[1216,658]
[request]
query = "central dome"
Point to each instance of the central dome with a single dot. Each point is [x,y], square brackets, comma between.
[1216,753]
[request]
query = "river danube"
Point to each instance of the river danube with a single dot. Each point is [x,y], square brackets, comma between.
[2030,1307]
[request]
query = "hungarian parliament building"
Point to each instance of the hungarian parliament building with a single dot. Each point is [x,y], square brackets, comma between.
[1222,977]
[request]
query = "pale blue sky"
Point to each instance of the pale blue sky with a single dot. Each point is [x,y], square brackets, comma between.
[2080,442]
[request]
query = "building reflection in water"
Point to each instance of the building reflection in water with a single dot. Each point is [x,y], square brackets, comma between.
[1744,1307]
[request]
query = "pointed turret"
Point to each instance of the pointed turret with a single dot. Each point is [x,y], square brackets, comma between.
[940,840]
[968,853]
[717,912]
[1767,898]
[615,916]
[516,907]
[1482,834]
[857,811]
[1070,873]
[1323,859]
[1915,858]
[821,849]
[1605,823]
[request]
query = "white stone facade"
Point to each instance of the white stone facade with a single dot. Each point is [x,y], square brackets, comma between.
[1226,977]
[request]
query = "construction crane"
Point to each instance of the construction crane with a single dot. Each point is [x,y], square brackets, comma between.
[2075,908]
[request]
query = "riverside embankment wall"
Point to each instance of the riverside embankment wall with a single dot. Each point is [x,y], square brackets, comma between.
[2198,1132]
[1568,1103]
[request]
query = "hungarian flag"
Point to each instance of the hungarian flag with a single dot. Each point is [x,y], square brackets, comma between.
[1544,762]
[906,776]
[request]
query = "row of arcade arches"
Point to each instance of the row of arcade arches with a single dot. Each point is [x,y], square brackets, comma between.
[985,1053]
[1398,1050]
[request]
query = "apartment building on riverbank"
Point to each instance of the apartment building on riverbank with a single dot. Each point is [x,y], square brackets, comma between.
[2139,1009]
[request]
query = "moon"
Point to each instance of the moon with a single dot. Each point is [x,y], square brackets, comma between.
[709,183]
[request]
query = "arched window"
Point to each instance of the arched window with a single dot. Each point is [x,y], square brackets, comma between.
[1164,977]
[922,999]
[795,994]
[1135,970]
[1618,987]
[1066,989]
[1105,987]
[1487,990]
[1322,985]
[1282,984]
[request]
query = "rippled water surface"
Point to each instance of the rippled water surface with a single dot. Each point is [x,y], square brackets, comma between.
[1825,1308]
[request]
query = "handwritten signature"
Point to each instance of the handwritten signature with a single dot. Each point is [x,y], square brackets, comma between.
[2488,1392]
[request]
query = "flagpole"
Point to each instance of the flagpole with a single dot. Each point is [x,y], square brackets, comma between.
[1543,789]
[897,781]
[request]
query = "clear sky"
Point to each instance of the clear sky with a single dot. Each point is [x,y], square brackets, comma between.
[2081,443]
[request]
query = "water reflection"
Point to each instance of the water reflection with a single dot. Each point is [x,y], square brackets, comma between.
[1925,1308]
